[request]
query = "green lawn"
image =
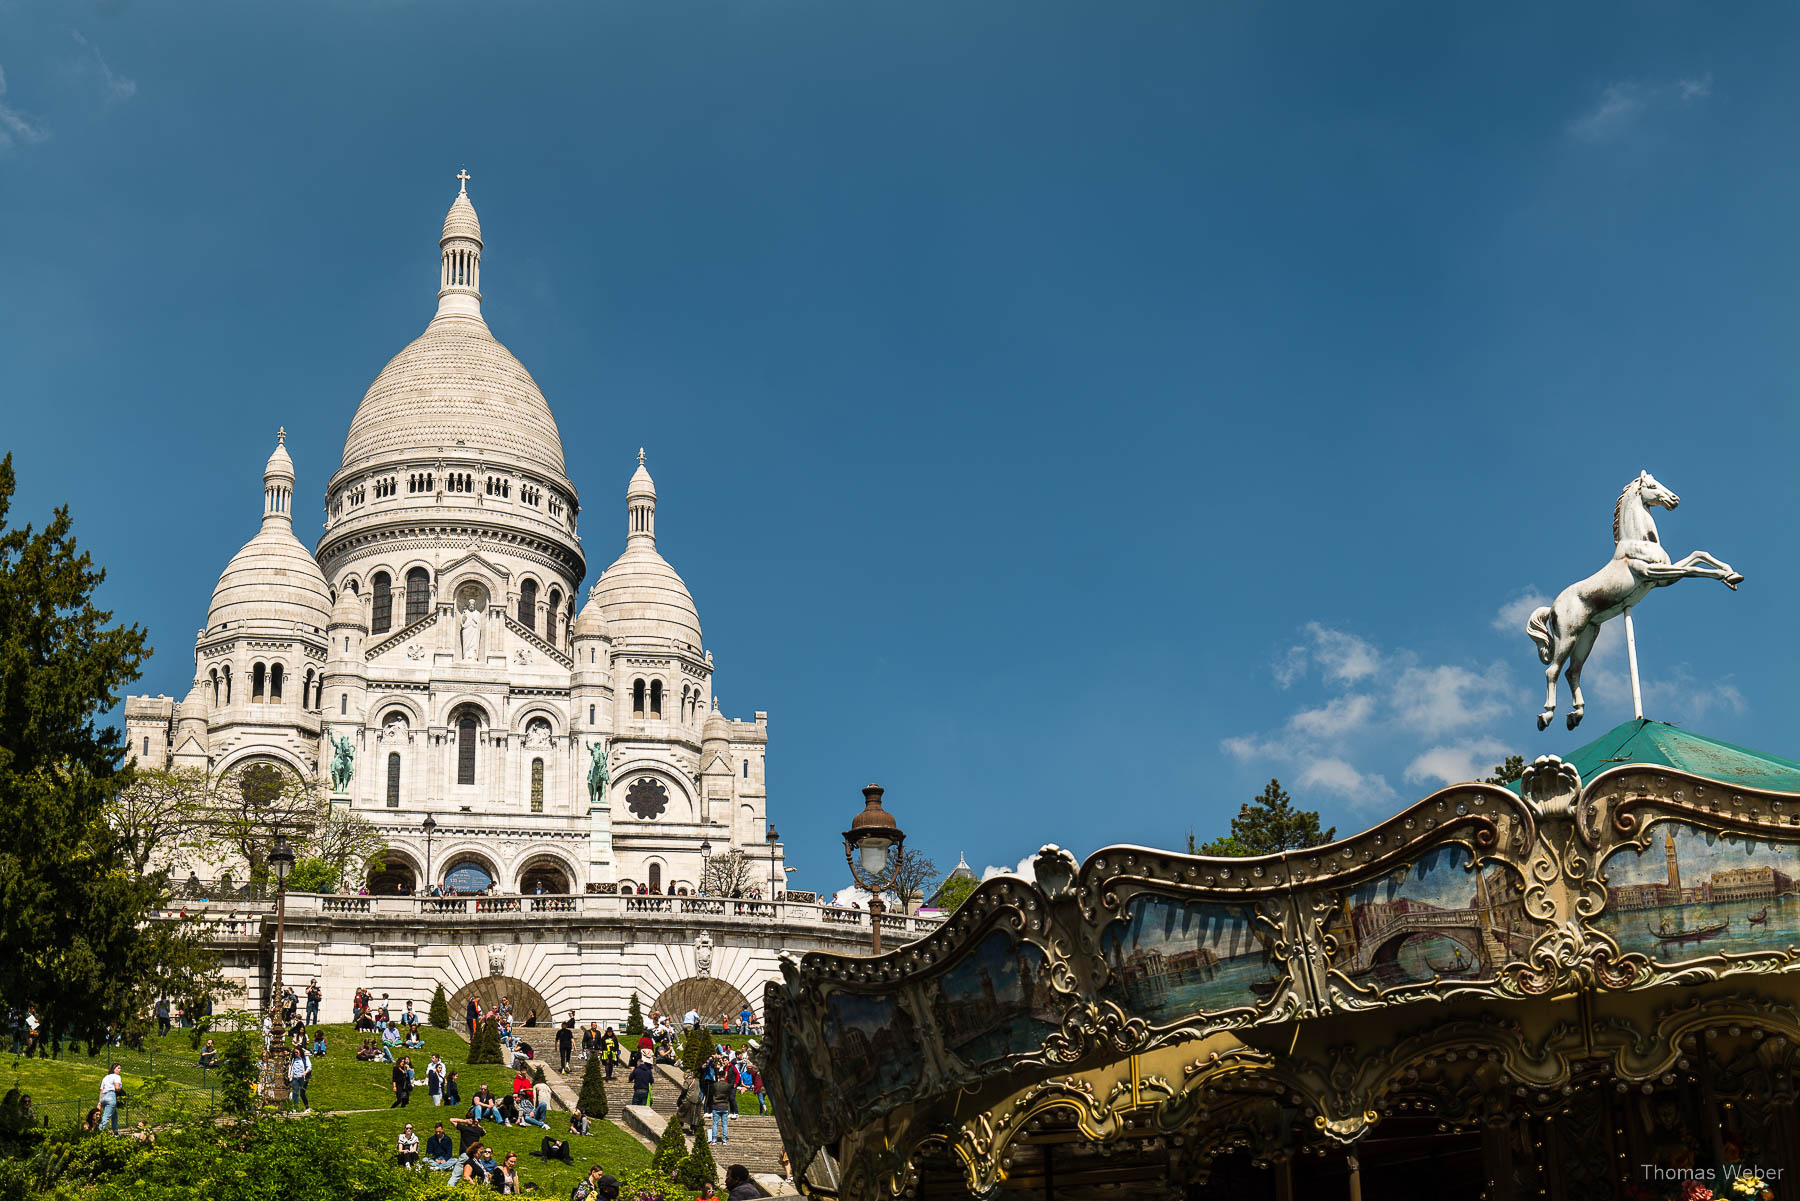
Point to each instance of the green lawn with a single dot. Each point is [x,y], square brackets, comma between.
[65,1088]
[609,1146]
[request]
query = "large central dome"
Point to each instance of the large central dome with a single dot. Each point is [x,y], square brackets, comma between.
[455,386]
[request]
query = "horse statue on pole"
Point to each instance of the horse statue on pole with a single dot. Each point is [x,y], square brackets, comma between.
[1565,631]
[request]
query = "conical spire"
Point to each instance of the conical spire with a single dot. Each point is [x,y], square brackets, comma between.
[459,280]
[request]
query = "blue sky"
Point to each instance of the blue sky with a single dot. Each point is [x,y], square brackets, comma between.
[1068,416]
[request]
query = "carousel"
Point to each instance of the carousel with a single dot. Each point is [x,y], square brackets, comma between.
[1582,985]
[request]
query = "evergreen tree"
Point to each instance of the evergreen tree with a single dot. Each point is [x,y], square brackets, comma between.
[671,1148]
[440,1009]
[537,1073]
[592,1101]
[695,1048]
[698,1168]
[72,929]
[634,1018]
[1267,824]
[1508,772]
[485,1046]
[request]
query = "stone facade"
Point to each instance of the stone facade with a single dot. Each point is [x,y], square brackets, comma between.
[434,632]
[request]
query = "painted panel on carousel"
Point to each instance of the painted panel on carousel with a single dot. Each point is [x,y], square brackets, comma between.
[1432,919]
[1693,893]
[996,1001]
[874,1043]
[1168,958]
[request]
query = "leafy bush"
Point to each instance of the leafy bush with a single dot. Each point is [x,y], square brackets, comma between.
[440,1009]
[634,1018]
[698,1168]
[593,1090]
[671,1148]
[239,1071]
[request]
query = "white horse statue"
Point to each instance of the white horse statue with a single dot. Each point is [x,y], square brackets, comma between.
[1565,631]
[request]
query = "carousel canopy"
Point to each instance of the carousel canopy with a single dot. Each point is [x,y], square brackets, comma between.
[1619,922]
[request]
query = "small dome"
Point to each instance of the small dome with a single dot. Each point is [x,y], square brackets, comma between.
[641,487]
[716,729]
[461,221]
[281,464]
[348,611]
[641,597]
[271,581]
[590,622]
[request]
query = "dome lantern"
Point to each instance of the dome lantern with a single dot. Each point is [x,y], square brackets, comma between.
[278,483]
[459,279]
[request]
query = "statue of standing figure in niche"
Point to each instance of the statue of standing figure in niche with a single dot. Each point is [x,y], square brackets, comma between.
[471,630]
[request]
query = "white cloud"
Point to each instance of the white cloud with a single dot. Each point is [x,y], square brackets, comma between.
[1338,717]
[1513,614]
[113,86]
[1022,868]
[1456,764]
[1341,779]
[1622,105]
[17,127]
[1290,667]
[1430,701]
[1342,657]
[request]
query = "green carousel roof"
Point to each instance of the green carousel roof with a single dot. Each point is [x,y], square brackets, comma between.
[1643,741]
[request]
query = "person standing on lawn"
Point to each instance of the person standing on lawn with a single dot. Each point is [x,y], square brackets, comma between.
[112,1087]
[313,997]
[434,1080]
[299,1072]
[474,1013]
[403,1083]
[565,1042]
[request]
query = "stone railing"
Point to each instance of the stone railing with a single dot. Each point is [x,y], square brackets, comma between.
[830,919]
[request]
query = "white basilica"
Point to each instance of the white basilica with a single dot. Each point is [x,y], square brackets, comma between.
[427,658]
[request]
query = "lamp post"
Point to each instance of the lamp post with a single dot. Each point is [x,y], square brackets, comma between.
[705,858]
[872,835]
[429,825]
[281,862]
[774,837]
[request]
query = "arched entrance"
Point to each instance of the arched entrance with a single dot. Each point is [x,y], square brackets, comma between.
[547,871]
[393,877]
[525,1000]
[709,995]
[469,874]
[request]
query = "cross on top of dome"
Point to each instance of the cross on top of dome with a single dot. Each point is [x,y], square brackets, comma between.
[465,177]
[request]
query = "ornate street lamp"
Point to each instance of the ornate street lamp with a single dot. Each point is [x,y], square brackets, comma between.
[429,825]
[705,858]
[869,846]
[281,862]
[774,836]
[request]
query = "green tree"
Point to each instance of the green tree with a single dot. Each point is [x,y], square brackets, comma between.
[485,1046]
[71,909]
[1507,772]
[698,1168]
[592,1101]
[954,891]
[183,969]
[312,874]
[440,1009]
[1267,824]
[158,810]
[634,1018]
[910,873]
[671,1148]
[239,1071]
[696,1045]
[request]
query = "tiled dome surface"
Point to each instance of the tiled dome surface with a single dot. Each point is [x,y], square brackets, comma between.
[272,580]
[641,596]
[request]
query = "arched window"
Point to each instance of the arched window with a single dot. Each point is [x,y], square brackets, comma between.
[656,877]
[343,702]
[381,608]
[683,711]
[418,594]
[393,780]
[275,674]
[355,589]
[225,678]
[550,617]
[528,604]
[746,769]
[537,785]
[306,691]
[258,674]
[214,676]
[465,749]
[590,715]
[655,698]
[590,654]
[637,699]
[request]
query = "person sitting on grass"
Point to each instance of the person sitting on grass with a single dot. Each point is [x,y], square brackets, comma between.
[505,1178]
[531,1113]
[521,1082]
[554,1148]
[452,1091]
[209,1055]
[91,1123]
[439,1150]
[589,1188]
[578,1123]
[509,1111]
[476,1162]
[484,1106]
[365,1052]
[318,1047]
[468,1133]
[390,1038]
[407,1148]
[413,1042]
